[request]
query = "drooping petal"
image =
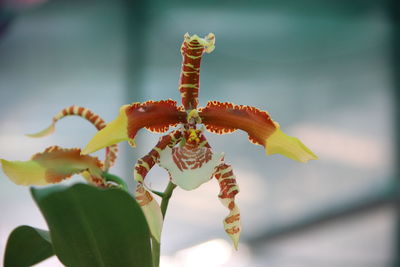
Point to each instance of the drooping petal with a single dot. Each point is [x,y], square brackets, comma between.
[189,168]
[52,166]
[228,190]
[151,210]
[154,116]
[226,117]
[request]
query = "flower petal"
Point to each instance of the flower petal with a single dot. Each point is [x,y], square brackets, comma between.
[151,210]
[192,50]
[228,190]
[49,130]
[93,118]
[115,132]
[222,118]
[154,116]
[24,172]
[189,168]
[291,147]
[226,117]
[52,166]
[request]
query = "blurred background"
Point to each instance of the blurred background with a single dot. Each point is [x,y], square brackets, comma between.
[327,71]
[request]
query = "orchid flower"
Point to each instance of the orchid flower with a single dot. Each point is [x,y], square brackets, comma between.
[184,152]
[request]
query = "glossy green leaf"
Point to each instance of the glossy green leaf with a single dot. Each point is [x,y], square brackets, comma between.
[95,227]
[27,246]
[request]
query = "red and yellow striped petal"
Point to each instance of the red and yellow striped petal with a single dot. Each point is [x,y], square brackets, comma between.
[73,110]
[226,117]
[52,166]
[155,116]
[192,50]
[228,190]
[93,118]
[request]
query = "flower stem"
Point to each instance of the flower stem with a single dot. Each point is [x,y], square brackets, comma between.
[165,199]
[113,178]
[166,195]
[155,251]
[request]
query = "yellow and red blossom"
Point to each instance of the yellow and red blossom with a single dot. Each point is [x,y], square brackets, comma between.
[193,162]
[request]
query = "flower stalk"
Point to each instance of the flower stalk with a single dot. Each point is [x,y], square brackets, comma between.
[155,245]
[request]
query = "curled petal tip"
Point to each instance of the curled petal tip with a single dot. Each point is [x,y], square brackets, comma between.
[49,130]
[291,147]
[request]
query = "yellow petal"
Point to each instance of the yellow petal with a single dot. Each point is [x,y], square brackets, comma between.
[115,132]
[49,130]
[24,172]
[291,147]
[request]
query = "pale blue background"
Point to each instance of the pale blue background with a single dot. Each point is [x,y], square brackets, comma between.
[321,68]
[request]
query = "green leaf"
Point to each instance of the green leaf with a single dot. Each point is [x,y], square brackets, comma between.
[27,246]
[95,227]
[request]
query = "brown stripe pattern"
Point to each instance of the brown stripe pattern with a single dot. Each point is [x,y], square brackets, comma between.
[189,83]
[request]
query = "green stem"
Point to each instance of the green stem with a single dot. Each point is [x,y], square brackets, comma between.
[115,179]
[166,195]
[165,199]
[155,251]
